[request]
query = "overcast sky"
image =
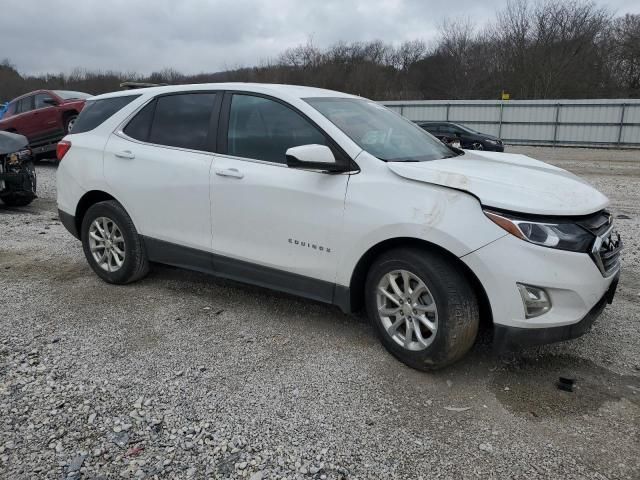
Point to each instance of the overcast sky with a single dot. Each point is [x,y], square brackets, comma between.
[211,35]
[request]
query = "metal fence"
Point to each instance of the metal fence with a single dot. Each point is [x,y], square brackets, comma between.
[604,123]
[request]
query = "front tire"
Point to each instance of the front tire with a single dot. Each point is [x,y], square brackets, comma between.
[111,244]
[423,308]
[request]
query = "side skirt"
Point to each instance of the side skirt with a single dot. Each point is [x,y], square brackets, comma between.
[193,259]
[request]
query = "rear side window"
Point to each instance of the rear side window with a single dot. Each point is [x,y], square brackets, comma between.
[95,112]
[25,105]
[140,125]
[182,120]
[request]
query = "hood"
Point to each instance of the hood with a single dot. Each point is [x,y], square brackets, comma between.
[12,142]
[510,182]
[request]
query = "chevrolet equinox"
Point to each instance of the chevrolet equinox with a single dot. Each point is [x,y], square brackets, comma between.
[335,198]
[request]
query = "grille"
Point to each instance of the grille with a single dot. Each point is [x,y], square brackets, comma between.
[606,252]
[607,245]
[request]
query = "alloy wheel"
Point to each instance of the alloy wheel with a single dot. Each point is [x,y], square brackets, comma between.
[407,310]
[106,243]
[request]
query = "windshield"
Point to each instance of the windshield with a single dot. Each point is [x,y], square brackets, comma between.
[69,95]
[380,131]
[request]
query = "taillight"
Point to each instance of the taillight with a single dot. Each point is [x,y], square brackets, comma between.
[62,149]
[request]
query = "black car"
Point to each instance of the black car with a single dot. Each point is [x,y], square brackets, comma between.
[17,173]
[449,132]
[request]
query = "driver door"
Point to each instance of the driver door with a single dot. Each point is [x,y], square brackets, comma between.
[275,224]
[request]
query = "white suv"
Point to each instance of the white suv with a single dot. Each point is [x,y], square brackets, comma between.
[336,198]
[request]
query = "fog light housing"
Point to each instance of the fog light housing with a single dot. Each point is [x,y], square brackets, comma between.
[536,300]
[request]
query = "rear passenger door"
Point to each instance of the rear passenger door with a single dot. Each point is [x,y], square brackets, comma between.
[22,121]
[158,167]
[276,225]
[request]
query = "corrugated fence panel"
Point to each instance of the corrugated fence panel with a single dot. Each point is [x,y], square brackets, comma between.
[630,135]
[632,114]
[534,113]
[470,113]
[514,133]
[587,134]
[590,114]
[613,123]
[425,112]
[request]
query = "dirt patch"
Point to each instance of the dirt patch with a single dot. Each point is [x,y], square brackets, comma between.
[528,386]
[27,265]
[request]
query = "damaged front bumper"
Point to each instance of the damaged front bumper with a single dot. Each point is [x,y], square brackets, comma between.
[506,338]
[17,175]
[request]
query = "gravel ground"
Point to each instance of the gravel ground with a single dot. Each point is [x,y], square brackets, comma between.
[185,376]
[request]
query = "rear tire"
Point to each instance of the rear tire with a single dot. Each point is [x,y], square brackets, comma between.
[111,244]
[437,300]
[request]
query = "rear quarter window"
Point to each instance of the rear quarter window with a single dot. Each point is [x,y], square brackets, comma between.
[95,112]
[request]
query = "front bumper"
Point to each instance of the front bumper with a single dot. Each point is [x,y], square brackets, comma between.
[572,280]
[513,338]
[494,147]
[16,184]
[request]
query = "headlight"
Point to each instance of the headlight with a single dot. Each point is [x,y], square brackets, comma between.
[563,236]
[488,140]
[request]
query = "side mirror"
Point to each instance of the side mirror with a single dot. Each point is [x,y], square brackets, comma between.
[49,101]
[312,157]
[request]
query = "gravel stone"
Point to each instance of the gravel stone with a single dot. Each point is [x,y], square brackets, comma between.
[306,388]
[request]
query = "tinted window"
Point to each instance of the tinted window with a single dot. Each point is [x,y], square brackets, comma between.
[140,125]
[449,129]
[40,100]
[379,131]
[264,129]
[182,120]
[95,112]
[25,105]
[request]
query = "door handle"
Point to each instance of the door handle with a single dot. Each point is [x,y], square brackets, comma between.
[229,172]
[128,154]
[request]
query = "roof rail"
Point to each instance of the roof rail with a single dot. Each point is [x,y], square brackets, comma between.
[135,85]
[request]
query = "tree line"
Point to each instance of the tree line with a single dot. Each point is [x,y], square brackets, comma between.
[548,49]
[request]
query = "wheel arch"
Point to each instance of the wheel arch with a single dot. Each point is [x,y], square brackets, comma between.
[89,198]
[359,275]
[70,112]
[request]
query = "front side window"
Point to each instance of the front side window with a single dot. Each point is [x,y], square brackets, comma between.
[182,120]
[41,100]
[379,131]
[95,112]
[263,129]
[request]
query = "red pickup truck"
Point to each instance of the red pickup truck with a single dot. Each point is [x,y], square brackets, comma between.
[43,116]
